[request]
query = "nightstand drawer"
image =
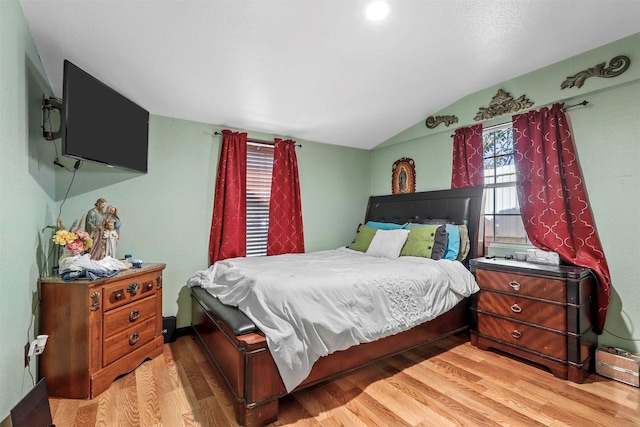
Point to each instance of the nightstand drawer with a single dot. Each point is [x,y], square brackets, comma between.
[520,284]
[524,309]
[525,336]
[128,340]
[129,315]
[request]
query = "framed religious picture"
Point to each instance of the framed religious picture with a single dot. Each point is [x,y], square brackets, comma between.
[403,176]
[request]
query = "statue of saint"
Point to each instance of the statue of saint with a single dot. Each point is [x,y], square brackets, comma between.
[95,217]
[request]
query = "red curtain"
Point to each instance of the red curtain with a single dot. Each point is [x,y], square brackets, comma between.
[228,225]
[285,210]
[554,205]
[467,170]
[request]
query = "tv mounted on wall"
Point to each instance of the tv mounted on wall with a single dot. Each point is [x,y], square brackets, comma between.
[101,125]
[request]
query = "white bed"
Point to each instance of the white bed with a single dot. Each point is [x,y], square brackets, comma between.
[310,305]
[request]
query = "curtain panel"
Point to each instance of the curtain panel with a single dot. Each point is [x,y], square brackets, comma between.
[285,209]
[227,238]
[553,202]
[467,169]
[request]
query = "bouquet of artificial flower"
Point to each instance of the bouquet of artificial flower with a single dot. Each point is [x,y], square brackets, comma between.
[76,241]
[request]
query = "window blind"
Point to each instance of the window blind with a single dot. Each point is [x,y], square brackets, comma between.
[259,171]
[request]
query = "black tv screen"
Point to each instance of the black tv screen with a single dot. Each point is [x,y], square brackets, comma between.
[100,124]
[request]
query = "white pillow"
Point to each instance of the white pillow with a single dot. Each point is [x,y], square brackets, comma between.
[387,243]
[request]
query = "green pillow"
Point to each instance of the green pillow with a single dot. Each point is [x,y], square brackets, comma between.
[363,239]
[421,241]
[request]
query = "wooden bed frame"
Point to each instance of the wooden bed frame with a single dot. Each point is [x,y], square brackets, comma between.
[244,360]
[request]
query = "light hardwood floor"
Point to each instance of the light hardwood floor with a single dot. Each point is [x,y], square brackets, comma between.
[453,384]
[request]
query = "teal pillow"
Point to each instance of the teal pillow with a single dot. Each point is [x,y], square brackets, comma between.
[384,225]
[363,238]
[425,241]
[453,242]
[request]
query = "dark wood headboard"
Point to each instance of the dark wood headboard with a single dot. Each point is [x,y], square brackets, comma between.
[457,206]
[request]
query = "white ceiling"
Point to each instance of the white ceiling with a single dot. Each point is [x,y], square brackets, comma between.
[315,69]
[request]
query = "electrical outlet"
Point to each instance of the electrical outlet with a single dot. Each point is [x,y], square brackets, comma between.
[26,354]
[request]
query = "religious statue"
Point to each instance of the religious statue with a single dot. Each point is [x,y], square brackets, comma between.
[104,227]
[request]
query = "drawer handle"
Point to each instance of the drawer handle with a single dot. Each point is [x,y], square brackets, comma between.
[118,296]
[149,285]
[516,334]
[516,308]
[133,316]
[133,289]
[515,285]
[134,338]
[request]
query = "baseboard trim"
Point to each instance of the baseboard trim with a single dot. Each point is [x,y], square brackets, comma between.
[185,330]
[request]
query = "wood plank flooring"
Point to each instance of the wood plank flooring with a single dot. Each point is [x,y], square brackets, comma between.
[453,384]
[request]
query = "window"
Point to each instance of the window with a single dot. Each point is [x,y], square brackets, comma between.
[259,170]
[502,221]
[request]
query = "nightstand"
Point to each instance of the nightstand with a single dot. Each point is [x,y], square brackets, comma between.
[541,313]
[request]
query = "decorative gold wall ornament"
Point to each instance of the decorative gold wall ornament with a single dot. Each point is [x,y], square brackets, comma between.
[617,66]
[403,176]
[433,122]
[501,104]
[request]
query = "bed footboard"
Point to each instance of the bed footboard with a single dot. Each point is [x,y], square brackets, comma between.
[244,363]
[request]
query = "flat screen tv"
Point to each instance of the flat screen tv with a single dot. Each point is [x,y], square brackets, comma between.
[101,125]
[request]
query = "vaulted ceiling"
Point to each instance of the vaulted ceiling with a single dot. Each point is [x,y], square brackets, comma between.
[315,69]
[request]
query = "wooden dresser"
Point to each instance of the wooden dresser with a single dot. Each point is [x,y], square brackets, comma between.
[99,330]
[542,313]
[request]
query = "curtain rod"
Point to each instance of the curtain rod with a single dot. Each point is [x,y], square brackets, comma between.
[583,103]
[255,141]
[564,109]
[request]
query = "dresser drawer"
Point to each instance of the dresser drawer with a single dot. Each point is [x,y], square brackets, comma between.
[128,340]
[126,291]
[129,315]
[520,284]
[524,309]
[525,336]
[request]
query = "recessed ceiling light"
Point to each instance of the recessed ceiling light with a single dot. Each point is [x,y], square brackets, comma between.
[377,10]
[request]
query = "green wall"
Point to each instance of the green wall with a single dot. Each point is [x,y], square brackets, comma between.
[607,138]
[26,194]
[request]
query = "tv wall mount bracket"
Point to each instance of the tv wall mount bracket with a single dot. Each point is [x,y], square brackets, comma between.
[49,104]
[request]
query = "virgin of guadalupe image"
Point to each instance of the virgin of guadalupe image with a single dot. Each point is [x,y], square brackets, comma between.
[402,181]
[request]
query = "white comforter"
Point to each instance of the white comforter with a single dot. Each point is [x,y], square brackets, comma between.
[310,305]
